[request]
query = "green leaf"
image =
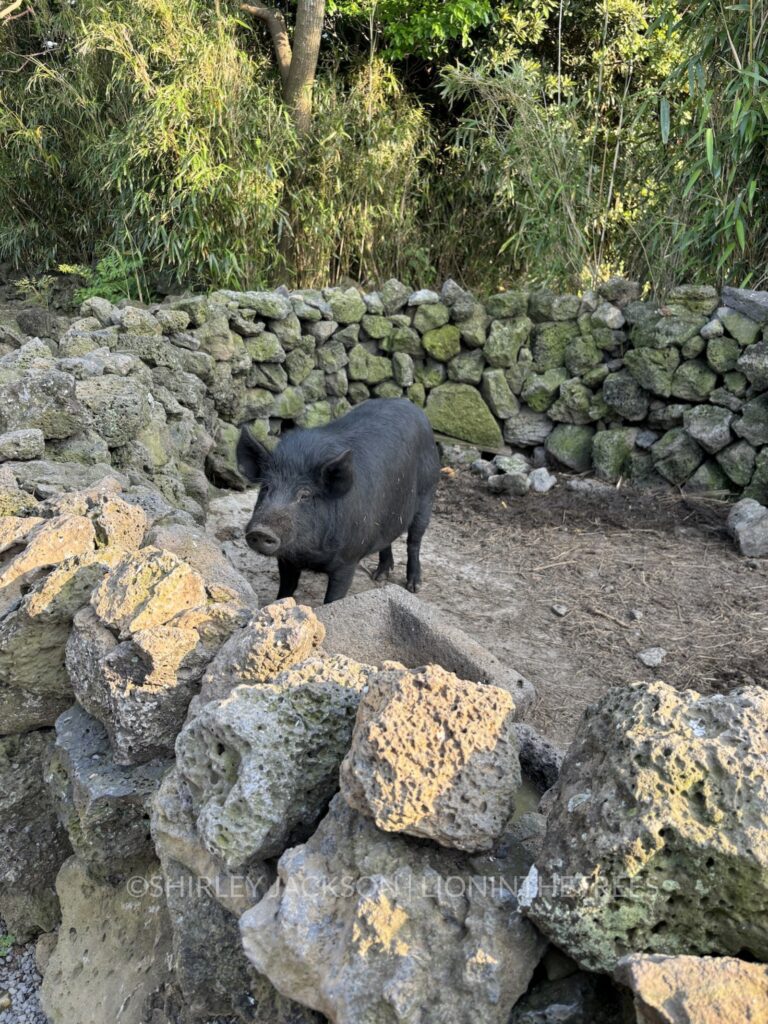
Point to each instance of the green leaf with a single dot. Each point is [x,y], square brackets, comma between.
[691,182]
[664,119]
[726,255]
[709,141]
[741,234]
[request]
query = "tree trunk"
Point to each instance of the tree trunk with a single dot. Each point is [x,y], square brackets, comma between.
[298,63]
[306,49]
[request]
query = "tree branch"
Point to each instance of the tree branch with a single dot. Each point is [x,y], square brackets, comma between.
[275,22]
[7,11]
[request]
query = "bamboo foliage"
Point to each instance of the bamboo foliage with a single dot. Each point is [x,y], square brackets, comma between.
[557,142]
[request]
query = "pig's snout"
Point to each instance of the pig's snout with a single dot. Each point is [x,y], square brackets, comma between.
[263,540]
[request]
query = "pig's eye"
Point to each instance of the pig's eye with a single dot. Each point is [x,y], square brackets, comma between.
[304,494]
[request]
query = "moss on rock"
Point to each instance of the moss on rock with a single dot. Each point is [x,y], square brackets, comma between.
[571,445]
[458,410]
[443,343]
[505,339]
[541,389]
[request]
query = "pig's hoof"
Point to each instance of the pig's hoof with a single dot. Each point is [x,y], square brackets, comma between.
[413,585]
[381,574]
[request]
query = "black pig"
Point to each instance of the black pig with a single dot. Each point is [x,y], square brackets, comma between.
[334,494]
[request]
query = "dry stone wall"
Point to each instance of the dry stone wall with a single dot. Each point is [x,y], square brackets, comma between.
[657,393]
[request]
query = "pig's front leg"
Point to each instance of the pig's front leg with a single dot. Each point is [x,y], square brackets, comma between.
[339,582]
[289,578]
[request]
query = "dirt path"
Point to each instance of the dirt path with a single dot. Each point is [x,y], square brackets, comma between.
[634,571]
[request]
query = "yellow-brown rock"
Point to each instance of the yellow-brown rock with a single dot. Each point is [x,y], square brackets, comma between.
[436,756]
[695,990]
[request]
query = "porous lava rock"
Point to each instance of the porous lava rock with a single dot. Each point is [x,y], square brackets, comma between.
[657,837]
[33,843]
[695,990]
[394,929]
[113,949]
[435,756]
[103,806]
[278,636]
[263,762]
[140,688]
[146,588]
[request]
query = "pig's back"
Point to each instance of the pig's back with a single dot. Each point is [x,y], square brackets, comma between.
[390,436]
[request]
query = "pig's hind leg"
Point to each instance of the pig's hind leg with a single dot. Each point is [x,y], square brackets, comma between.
[416,532]
[386,563]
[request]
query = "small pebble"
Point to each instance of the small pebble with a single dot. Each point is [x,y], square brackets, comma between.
[482,468]
[19,998]
[542,480]
[652,657]
[560,609]
[635,614]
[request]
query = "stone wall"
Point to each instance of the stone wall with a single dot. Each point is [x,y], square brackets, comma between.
[655,393]
[658,394]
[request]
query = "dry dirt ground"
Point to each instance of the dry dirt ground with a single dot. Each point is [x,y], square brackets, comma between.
[633,570]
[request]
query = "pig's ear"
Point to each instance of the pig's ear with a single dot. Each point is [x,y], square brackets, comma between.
[338,474]
[252,457]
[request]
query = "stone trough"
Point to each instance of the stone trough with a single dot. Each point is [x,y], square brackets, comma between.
[389,624]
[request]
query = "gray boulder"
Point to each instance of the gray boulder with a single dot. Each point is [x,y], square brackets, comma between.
[527,428]
[709,425]
[263,763]
[753,363]
[37,322]
[119,407]
[45,400]
[397,930]
[737,462]
[624,395]
[113,949]
[140,689]
[695,990]
[676,456]
[752,424]
[22,444]
[748,302]
[571,446]
[103,806]
[658,820]
[33,842]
